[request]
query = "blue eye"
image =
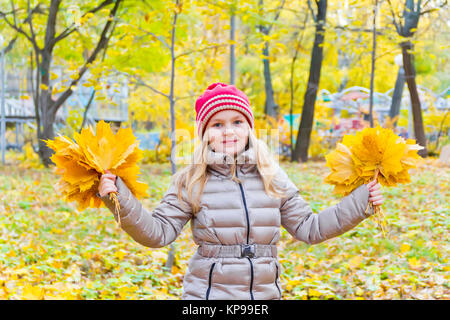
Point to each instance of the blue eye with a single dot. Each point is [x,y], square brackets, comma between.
[216,124]
[238,121]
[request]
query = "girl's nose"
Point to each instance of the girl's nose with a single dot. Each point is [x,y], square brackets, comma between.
[228,130]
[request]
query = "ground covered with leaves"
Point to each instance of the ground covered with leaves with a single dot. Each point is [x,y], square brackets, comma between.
[49,250]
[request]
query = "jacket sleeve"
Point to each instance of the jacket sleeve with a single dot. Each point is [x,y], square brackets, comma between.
[299,220]
[152,229]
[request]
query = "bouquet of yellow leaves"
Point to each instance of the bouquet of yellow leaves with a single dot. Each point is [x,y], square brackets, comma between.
[372,153]
[82,163]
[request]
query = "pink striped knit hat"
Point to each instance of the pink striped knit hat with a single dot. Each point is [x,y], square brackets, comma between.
[217,97]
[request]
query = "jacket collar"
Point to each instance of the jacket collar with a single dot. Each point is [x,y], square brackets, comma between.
[221,162]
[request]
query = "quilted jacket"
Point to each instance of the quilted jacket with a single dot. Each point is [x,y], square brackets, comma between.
[237,228]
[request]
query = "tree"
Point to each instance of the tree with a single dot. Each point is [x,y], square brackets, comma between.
[45,102]
[298,43]
[307,117]
[232,45]
[270,107]
[406,26]
[398,92]
[372,72]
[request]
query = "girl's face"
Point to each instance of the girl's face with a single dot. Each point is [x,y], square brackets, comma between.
[228,132]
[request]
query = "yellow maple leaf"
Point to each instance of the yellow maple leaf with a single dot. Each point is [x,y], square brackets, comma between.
[82,162]
[414,263]
[342,163]
[372,153]
[31,292]
[405,247]
[120,254]
[314,293]
[355,261]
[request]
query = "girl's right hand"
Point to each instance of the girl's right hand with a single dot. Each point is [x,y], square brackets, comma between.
[107,184]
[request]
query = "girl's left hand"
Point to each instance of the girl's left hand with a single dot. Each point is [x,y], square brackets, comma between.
[375,193]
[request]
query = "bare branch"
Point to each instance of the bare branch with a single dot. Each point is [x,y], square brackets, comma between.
[141,82]
[312,11]
[425,4]
[69,30]
[379,32]
[30,23]
[185,97]
[394,20]
[277,15]
[200,50]
[160,38]
[10,45]
[28,19]
[15,27]
[433,9]
[419,2]
[102,43]
[13,10]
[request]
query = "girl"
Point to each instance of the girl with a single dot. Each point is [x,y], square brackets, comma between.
[236,197]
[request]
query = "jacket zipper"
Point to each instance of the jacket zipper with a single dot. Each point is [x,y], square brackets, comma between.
[210,280]
[251,279]
[248,235]
[276,282]
[245,206]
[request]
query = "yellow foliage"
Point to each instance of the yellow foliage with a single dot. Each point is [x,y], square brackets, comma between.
[82,163]
[28,159]
[389,123]
[369,153]
[405,247]
[31,292]
[317,146]
[355,262]
[414,263]
[314,293]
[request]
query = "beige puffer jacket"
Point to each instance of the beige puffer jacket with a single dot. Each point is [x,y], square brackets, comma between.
[236,229]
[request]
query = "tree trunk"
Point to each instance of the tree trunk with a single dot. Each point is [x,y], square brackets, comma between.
[171,255]
[46,104]
[86,110]
[397,95]
[232,49]
[47,119]
[270,108]
[307,120]
[372,72]
[410,76]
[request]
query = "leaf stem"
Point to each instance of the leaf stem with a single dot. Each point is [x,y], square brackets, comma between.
[378,214]
[113,198]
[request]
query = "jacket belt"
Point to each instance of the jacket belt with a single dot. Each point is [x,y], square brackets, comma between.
[237,251]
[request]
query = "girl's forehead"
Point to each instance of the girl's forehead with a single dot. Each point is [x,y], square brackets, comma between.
[226,114]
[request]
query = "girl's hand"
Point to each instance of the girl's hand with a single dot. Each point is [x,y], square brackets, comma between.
[107,184]
[375,195]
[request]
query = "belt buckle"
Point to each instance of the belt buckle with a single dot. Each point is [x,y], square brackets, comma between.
[247,251]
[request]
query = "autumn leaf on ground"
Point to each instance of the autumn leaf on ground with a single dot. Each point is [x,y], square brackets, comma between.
[81,163]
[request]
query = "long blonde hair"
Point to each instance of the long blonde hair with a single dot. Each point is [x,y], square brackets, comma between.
[194,176]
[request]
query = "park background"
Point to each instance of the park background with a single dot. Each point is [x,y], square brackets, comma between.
[333,66]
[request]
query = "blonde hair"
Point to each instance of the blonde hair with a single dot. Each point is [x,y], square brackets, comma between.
[194,176]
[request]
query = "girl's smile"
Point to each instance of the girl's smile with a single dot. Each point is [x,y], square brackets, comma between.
[229,142]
